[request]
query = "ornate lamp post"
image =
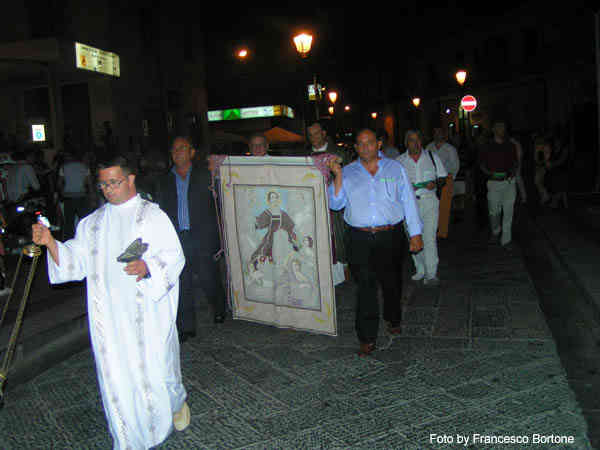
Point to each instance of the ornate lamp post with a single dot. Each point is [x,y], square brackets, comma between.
[303,43]
[461,77]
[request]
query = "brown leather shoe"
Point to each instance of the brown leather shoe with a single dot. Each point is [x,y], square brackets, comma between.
[366,348]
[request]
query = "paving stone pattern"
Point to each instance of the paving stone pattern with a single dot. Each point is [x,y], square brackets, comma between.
[476,356]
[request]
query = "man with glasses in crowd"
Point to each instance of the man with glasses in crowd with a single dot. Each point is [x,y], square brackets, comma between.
[185,196]
[258,145]
[426,172]
[131,306]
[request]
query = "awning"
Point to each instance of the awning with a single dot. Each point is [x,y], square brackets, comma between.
[279,135]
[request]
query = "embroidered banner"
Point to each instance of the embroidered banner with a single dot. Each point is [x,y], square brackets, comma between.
[277,238]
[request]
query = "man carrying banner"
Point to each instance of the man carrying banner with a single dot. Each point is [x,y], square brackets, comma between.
[378,198]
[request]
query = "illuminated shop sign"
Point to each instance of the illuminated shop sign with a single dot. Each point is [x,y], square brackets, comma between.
[256,112]
[96,60]
[38,133]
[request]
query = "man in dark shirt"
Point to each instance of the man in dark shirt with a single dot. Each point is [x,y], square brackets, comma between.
[499,162]
[185,196]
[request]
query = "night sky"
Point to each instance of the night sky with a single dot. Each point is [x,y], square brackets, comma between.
[350,45]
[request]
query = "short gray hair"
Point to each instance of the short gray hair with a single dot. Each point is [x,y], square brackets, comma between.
[416,133]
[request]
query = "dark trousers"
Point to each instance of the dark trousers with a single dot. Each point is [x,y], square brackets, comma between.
[377,257]
[200,271]
[74,206]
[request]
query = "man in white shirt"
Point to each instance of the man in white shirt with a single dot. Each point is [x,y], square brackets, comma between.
[21,179]
[74,184]
[424,169]
[451,161]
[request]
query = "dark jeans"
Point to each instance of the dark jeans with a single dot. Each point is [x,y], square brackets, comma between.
[74,206]
[202,271]
[377,257]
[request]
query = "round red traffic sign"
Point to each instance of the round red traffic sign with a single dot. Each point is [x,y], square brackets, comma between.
[468,103]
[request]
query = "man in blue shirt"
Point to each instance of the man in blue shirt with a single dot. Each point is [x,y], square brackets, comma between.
[378,198]
[184,195]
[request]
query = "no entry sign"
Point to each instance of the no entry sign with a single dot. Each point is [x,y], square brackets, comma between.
[468,103]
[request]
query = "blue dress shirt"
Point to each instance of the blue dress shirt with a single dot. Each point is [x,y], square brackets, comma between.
[385,198]
[183,212]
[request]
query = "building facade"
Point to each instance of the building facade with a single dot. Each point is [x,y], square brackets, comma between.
[160,90]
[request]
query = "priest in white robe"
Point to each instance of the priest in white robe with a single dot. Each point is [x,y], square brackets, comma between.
[131,308]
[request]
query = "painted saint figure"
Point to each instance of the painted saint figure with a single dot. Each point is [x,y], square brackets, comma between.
[280,236]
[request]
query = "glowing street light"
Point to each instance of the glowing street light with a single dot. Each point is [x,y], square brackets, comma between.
[242,53]
[374,115]
[416,101]
[333,96]
[461,76]
[303,42]
[330,109]
[347,108]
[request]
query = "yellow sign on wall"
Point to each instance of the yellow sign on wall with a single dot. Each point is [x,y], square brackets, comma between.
[96,60]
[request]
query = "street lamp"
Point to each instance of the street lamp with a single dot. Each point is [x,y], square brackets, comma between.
[416,101]
[347,108]
[303,42]
[374,115]
[242,53]
[333,96]
[461,77]
[330,109]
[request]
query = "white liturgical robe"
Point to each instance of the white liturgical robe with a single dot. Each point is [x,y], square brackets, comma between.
[132,324]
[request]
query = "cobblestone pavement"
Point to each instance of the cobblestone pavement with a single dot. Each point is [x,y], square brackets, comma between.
[476,357]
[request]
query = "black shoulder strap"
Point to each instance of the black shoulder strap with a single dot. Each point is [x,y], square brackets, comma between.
[433,161]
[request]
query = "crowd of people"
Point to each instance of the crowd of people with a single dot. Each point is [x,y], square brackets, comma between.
[385,203]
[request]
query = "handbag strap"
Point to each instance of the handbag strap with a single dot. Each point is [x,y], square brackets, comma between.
[434,164]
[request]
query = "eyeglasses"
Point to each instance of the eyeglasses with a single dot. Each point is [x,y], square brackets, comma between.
[109,184]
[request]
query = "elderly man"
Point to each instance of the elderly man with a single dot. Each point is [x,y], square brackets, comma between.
[499,162]
[449,156]
[183,194]
[258,145]
[131,307]
[378,198]
[426,172]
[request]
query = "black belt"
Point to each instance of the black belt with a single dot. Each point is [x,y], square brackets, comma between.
[378,228]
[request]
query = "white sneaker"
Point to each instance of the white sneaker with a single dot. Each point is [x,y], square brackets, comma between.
[181,419]
[418,276]
[433,281]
